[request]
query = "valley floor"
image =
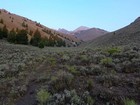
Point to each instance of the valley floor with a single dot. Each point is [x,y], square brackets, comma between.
[69,76]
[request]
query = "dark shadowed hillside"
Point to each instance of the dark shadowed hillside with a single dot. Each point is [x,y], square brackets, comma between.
[127,35]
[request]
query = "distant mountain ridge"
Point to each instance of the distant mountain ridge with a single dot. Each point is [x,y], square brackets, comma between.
[90,34]
[85,33]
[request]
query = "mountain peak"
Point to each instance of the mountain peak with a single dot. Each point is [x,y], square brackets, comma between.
[81,28]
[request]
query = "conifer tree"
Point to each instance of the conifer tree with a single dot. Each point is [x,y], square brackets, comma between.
[5,31]
[36,38]
[12,36]
[21,37]
[1,21]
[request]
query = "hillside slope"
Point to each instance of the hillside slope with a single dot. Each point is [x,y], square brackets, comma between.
[127,35]
[18,22]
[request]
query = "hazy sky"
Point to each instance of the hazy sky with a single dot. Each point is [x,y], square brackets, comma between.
[70,14]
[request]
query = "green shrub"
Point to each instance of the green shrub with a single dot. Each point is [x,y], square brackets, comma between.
[90,101]
[87,98]
[43,96]
[106,61]
[65,57]
[75,99]
[84,58]
[129,102]
[113,50]
[62,80]
[71,97]
[89,84]
[72,69]
[52,61]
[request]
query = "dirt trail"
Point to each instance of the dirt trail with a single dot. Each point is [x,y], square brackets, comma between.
[30,96]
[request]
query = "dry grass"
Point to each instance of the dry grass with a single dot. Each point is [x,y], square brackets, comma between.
[15,21]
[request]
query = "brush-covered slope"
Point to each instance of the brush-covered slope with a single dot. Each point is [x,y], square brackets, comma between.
[127,35]
[18,22]
[68,77]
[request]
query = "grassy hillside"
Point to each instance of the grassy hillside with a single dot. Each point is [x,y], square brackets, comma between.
[16,22]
